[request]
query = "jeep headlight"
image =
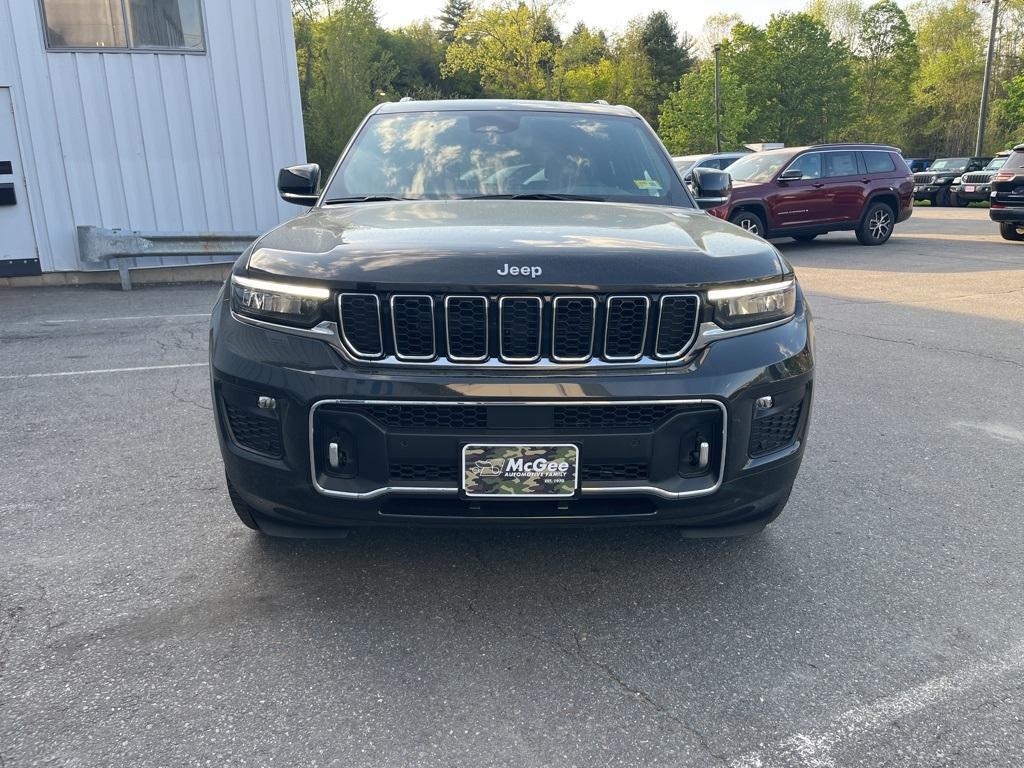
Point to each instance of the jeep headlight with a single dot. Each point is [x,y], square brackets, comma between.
[753,304]
[957,179]
[287,303]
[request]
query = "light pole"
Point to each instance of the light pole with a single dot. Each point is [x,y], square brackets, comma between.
[718,97]
[988,74]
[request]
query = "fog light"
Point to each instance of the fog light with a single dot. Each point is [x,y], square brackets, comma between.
[764,403]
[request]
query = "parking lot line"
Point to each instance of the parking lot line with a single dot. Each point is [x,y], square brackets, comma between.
[101,370]
[111,319]
[815,749]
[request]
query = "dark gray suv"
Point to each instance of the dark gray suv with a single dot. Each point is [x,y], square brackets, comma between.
[504,312]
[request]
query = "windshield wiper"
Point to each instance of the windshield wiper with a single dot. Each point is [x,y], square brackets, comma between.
[537,196]
[365,199]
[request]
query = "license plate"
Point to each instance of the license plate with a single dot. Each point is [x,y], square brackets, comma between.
[969,188]
[505,470]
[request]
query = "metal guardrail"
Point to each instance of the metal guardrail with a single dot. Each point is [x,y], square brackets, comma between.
[97,245]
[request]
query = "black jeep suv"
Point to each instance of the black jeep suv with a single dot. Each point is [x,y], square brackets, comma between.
[1007,199]
[935,184]
[976,186]
[503,312]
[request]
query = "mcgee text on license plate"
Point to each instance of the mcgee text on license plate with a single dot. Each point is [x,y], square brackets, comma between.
[506,470]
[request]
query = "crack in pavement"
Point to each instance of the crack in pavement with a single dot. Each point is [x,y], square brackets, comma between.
[640,693]
[584,660]
[918,345]
[185,401]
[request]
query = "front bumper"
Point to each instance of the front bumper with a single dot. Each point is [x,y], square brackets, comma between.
[977,193]
[928,191]
[407,473]
[1013,214]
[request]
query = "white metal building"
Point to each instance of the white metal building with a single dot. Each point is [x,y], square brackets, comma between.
[152,115]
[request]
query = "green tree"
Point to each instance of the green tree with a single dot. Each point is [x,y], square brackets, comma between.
[843,18]
[687,123]
[451,17]
[885,66]
[799,81]
[948,87]
[352,72]
[633,80]
[582,67]
[416,52]
[1009,111]
[509,45]
[669,54]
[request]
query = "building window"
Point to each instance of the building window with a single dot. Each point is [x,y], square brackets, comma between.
[163,25]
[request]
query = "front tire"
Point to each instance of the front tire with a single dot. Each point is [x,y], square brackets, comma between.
[877,225]
[943,198]
[959,202]
[749,221]
[1011,230]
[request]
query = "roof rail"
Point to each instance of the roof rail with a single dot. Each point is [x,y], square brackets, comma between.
[407,98]
[603,102]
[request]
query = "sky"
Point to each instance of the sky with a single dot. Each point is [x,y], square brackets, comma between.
[608,15]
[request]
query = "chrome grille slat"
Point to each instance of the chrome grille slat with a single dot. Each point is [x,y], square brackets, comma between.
[359,324]
[678,317]
[479,330]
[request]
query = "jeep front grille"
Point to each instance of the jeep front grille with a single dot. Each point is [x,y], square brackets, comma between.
[924,178]
[976,178]
[518,330]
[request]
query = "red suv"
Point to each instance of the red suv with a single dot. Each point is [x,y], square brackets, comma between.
[803,192]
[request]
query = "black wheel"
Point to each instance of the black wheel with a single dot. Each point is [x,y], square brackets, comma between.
[804,238]
[958,201]
[749,221]
[243,510]
[1011,230]
[877,225]
[943,197]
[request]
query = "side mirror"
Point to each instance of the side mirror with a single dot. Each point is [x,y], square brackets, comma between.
[792,175]
[711,187]
[299,184]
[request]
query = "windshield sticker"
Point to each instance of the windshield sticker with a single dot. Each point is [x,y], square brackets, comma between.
[647,184]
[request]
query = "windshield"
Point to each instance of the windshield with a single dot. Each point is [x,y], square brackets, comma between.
[479,154]
[949,164]
[995,164]
[758,167]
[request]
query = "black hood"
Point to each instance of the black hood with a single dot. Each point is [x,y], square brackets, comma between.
[468,243]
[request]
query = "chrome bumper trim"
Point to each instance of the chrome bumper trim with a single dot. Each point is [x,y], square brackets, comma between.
[588,490]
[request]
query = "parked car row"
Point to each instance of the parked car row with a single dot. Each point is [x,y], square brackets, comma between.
[935,184]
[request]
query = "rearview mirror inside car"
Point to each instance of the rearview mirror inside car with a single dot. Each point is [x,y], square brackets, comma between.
[711,187]
[299,184]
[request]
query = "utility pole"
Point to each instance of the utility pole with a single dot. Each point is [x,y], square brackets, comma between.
[718,97]
[982,114]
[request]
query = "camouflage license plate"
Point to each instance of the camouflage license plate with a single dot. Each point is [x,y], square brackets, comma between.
[520,470]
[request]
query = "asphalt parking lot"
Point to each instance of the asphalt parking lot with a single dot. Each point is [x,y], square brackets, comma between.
[879,621]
